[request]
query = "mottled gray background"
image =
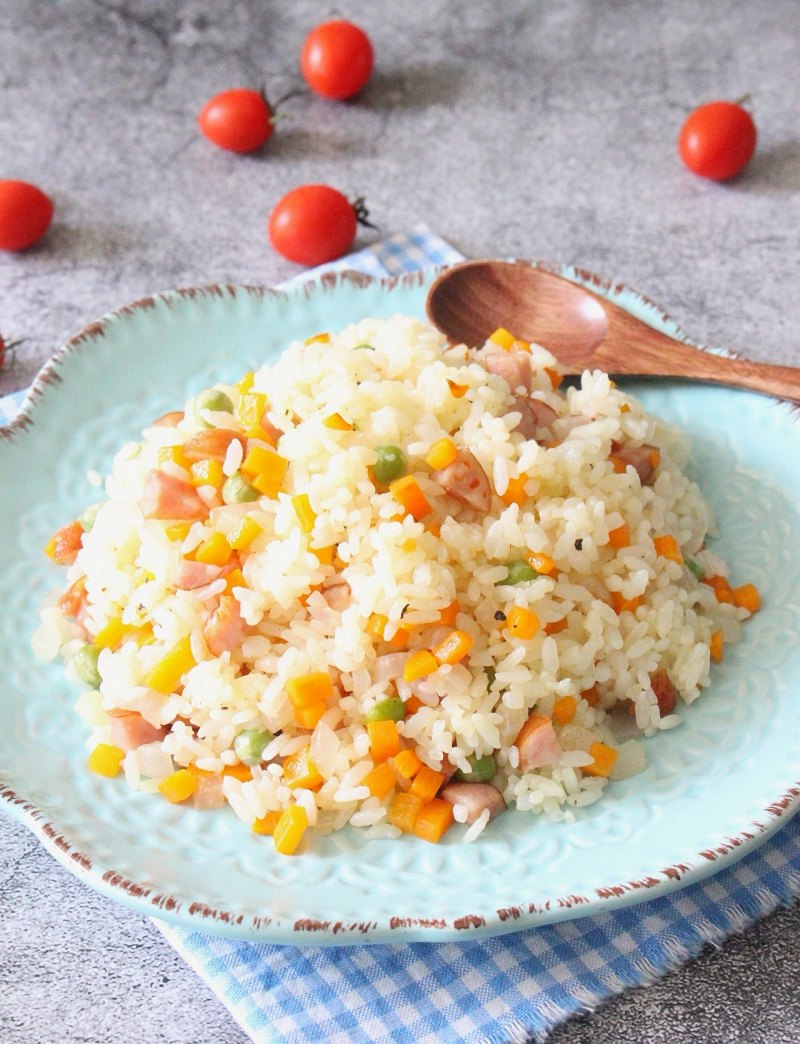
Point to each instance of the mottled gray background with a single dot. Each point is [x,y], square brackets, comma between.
[538,129]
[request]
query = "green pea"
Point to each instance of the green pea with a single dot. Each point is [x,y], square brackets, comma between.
[391,709]
[519,572]
[695,567]
[481,770]
[390,465]
[84,664]
[237,490]
[211,399]
[89,515]
[363,347]
[249,745]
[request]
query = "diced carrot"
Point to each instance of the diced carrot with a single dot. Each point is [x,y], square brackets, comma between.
[717,646]
[250,408]
[521,622]
[413,704]
[178,531]
[433,527]
[591,695]
[244,533]
[258,432]
[399,639]
[556,626]
[406,763]
[564,710]
[266,824]
[407,492]
[207,473]
[302,508]
[376,624]
[299,770]
[165,676]
[447,616]
[306,689]
[458,391]
[384,740]
[667,547]
[65,543]
[73,600]
[403,811]
[625,408]
[619,465]
[746,596]
[620,537]
[234,579]
[515,491]
[621,605]
[380,780]
[605,758]
[441,453]
[106,760]
[433,820]
[241,772]
[320,338]
[289,829]
[111,635]
[427,783]
[179,786]
[419,665]
[266,470]
[453,647]
[555,377]
[541,562]
[173,455]
[721,587]
[336,422]
[307,717]
[214,551]
[502,338]
[325,554]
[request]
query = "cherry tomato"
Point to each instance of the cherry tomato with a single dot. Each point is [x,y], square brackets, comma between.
[717,140]
[336,60]
[25,214]
[239,120]
[313,224]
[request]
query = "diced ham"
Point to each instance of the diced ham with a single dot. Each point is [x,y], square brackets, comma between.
[167,497]
[209,791]
[665,692]
[513,367]
[537,743]
[336,593]
[129,730]
[225,630]
[209,443]
[643,459]
[168,420]
[66,543]
[273,432]
[192,575]
[466,480]
[536,416]
[475,797]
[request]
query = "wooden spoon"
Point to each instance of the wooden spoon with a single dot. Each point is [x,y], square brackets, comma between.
[468,301]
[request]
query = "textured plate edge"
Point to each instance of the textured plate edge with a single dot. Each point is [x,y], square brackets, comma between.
[723,852]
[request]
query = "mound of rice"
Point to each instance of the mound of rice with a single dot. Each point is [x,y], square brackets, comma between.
[574,584]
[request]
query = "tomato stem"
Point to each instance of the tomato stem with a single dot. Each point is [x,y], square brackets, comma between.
[362,214]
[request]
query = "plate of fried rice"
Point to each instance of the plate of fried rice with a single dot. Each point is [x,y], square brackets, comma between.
[319,629]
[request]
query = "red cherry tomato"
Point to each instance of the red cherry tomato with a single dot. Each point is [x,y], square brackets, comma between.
[717,140]
[239,120]
[7,351]
[313,224]
[25,214]
[336,60]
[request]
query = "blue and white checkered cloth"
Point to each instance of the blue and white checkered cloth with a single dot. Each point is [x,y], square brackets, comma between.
[509,989]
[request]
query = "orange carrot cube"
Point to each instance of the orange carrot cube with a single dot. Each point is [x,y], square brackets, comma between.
[433,820]
[403,811]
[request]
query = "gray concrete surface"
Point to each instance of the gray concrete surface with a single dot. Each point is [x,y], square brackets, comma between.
[541,129]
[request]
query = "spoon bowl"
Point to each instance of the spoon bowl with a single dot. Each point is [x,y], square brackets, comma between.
[582,329]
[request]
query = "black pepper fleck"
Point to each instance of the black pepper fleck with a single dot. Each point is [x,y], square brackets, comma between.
[579,545]
[500,615]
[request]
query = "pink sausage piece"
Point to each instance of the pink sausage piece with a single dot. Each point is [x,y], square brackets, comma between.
[225,630]
[167,497]
[475,797]
[466,480]
[129,731]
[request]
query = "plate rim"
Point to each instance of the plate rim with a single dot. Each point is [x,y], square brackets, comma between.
[724,850]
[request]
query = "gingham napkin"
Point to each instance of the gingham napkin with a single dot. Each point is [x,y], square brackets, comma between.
[508,989]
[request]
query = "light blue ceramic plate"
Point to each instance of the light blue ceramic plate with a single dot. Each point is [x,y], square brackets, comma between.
[714,788]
